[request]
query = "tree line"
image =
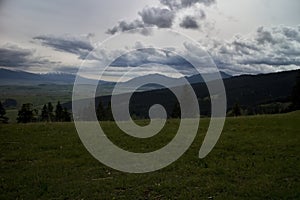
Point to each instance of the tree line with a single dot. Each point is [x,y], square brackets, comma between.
[28,113]
[48,114]
[292,104]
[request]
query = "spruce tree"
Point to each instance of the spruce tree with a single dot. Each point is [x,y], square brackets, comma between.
[296,94]
[45,115]
[50,112]
[176,113]
[59,112]
[66,115]
[236,111]
[26,114]
[3,118]
[100,111]
[108,113]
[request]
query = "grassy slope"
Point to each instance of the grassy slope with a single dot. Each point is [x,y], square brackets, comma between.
[256,158]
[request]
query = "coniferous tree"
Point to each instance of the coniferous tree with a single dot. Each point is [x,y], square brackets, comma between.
[50,112]
[3,118]
[176,113]
[100,111]
[45,115]
[26,114]
[59,112]
[66,115]
[108,113]
[236,111]
[296,94]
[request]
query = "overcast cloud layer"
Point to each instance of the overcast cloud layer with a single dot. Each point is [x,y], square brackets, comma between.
[62,44]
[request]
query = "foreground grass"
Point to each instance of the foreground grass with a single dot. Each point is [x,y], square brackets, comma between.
[256,158]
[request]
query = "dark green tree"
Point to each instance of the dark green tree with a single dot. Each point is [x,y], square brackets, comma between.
[44,115]
[50,112]
[100,111]
[108,113]
[296,94]
[3,118]
[26,114]
[59,112]
[236,110]
[176,113]
[66,115]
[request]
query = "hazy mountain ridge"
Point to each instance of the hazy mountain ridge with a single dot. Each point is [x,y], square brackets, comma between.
[247,90]
[10,77]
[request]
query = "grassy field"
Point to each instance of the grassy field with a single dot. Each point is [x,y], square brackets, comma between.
[38,95]
[256,158]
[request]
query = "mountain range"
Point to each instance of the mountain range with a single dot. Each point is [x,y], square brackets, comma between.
[249,91]
[10,77]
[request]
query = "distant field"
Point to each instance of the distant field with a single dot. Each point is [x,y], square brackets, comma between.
[256,157]
[38,95]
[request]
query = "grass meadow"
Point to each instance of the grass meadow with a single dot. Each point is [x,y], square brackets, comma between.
[257,157]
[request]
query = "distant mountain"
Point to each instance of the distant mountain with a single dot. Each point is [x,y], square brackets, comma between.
[247,90]
[210,77]
[172,82]
[9,77]
[152,79]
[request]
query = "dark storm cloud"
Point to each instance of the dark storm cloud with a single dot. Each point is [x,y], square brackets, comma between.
[189,22]
[164,17]
[14,56]
[80,46]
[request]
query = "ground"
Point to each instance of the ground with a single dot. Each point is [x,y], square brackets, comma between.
[256,158]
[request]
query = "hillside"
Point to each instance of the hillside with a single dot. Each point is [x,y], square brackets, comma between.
[247,90]
[9,77]
[256,158]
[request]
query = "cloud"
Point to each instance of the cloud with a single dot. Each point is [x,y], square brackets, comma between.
[162,18]
[78,45]
[123,26]
[165,17]
[17,57]
[187,3]
[150,55]
[175,4]
[268,49]
[67,69]
[189,22]
[264,36]
[171,4]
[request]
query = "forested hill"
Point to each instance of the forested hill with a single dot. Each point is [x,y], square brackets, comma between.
[247,90]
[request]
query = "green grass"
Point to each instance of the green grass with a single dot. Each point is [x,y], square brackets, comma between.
[256,158]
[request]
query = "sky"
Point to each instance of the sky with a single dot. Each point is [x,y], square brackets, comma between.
[241,36]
